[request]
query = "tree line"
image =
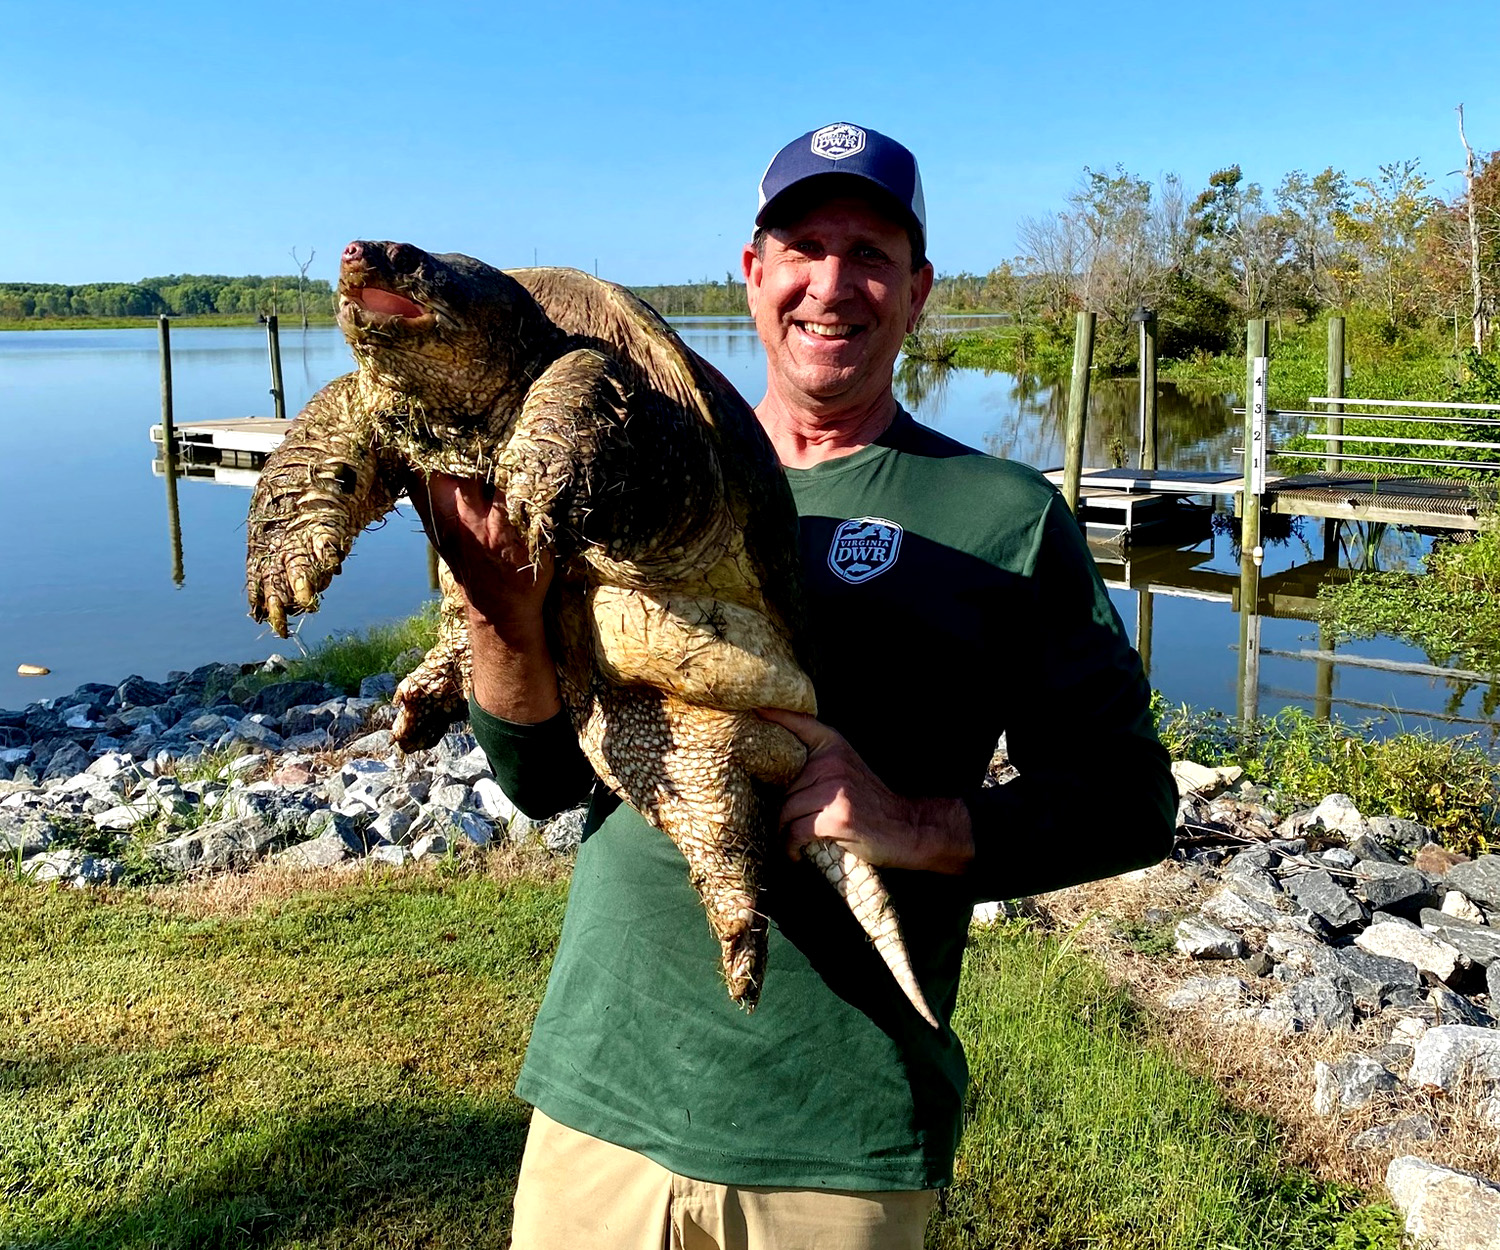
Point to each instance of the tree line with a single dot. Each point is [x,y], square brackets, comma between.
[1207,260]
[182,294]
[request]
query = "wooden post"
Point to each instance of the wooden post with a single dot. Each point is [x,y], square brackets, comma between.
[1334,389]
[1323,692]
[273,348]
[1147,319]
[1078,408]
[1145,603]
[174,517]
[164,333]
[1255,347]
[1248,699]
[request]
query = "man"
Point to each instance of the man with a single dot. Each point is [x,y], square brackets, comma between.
[952,600]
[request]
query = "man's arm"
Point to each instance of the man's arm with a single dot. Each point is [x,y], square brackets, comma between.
[837,797]
[1095,796]
[516,710]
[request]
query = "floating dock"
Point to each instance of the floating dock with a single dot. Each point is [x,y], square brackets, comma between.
[1132,505]
[234,442]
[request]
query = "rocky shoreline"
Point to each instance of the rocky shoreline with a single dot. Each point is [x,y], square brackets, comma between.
[208,771]
[1318,921]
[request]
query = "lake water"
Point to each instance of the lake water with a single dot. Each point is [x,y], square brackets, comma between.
[87,566]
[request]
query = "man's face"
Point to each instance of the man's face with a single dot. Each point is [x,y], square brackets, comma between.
[833,295]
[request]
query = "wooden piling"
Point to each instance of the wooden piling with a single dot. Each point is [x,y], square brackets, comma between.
[273,349]
[164,335]
[1078,408]
[174,516]
[1147,319]
[1335,390]
[1255,347]
[1145,604]
[1248,692]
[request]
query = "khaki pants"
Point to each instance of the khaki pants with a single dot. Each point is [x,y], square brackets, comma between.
[579,1193]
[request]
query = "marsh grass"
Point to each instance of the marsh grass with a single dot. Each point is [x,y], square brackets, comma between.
[1449,784]
[278,1060]
[344,660]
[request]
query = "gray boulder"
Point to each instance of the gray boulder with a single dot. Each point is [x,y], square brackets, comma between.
[233,843]
[1207,992]
[1449,1053]
[1325,898]
[1478,880]
[1407,835]
[1316,1003]
[1351,1082]
[1395,887]
[1408,1128]
[1199,939]
[1446,1209]
[1454,1008]
[1476,942]
[1398,941]
[1378,981]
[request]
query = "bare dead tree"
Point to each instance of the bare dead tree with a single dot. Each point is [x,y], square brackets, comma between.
[302,267]
[1480,317]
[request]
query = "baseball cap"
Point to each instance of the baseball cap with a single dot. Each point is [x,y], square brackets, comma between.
[852,151]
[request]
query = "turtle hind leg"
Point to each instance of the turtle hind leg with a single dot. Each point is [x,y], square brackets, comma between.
[436,693]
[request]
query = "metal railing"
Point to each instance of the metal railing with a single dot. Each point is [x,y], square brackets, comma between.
[1396,410]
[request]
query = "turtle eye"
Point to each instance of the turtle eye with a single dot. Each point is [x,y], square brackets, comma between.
[346,479]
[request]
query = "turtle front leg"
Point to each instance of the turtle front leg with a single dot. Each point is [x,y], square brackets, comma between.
[620,478]
[318,490]
[436,693]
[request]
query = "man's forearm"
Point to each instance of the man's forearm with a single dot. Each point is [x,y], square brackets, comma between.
[515,677]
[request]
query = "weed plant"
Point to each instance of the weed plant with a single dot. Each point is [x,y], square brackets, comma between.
[1452,611]
[1448,784]
[261,1062]
[344,660]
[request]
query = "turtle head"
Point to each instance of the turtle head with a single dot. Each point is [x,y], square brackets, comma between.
[447,333]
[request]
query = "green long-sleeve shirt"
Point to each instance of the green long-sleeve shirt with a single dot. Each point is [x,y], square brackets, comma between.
[951,599]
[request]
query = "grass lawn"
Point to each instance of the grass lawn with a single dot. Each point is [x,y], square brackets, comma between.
[270,1060]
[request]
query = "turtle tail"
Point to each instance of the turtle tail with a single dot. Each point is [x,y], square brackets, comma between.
[860,886]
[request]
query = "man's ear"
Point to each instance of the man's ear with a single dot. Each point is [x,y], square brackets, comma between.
[921,288]
[751,264]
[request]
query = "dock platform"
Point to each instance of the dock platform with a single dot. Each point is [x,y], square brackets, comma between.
[237,442]
[1417,502]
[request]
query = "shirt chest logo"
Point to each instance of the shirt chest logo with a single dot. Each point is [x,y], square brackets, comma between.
[864,548]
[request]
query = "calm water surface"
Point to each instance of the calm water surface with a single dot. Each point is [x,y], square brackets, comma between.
[86,567]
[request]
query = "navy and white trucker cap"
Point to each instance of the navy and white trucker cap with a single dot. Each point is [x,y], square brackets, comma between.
[843,148]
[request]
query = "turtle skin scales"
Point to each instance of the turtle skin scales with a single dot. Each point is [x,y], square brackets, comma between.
[674,611]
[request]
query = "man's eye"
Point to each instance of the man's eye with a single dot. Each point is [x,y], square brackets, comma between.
[872,254]
[807,247]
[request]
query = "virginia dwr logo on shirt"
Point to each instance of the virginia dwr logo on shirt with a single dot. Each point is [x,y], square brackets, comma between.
[863,548]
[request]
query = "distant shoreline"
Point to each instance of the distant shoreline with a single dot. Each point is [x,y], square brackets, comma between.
[290,321]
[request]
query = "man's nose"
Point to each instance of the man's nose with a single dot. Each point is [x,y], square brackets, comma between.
[828,279]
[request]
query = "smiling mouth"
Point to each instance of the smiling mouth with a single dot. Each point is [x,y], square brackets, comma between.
[836,331]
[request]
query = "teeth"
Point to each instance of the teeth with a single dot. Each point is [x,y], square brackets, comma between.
[827,332]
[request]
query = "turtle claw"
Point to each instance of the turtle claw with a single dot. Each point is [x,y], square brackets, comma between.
[302,589]
[276,615]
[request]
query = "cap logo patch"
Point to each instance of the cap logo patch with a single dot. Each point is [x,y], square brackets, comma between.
[864,548]
[838,141]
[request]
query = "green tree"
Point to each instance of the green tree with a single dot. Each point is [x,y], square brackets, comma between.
[1316,259]
[1385,224]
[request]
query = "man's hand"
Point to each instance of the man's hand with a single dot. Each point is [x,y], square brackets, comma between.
[837,797]
[514,674]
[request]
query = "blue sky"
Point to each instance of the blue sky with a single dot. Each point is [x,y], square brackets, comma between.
[157,138]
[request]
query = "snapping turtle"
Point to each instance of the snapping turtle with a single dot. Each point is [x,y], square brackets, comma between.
[675,606]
